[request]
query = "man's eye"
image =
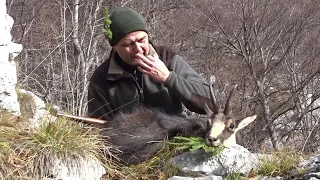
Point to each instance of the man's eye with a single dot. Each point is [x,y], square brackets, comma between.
[141,41]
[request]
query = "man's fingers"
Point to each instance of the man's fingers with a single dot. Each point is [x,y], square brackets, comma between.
[153,67]
[144,71]
[143,65]
[146,60]
[148,72]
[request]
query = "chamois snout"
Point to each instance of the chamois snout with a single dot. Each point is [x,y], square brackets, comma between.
[218,133]
[212,141]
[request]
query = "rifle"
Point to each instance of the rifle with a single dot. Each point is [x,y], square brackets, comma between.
[83,118]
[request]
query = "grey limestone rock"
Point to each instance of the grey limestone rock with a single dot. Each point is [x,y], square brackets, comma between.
[235,159]
[8,72]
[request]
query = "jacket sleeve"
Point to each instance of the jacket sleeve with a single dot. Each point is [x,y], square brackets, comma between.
[98,103]
[185,83]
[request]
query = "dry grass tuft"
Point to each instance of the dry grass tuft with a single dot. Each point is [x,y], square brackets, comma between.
[26,154]
[280,163]
[10,136]
[156,168]
[63,140]
[27,105]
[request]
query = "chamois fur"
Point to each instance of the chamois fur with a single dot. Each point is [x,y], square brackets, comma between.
[141,134]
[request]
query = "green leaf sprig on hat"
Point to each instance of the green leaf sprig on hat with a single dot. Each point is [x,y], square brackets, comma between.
[107,22]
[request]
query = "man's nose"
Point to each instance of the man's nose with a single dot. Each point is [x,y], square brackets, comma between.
[137,47]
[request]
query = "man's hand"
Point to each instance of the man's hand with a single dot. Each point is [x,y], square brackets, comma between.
[153,67]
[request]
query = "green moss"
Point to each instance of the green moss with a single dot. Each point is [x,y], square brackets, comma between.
[107,23]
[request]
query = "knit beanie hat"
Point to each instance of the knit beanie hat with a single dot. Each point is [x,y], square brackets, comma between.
[123,21]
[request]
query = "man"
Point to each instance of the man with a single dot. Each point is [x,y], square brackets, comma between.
[137,72]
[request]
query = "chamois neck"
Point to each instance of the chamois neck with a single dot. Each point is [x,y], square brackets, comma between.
[230,141]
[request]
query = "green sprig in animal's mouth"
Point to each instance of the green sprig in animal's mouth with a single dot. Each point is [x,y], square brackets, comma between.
[193,144]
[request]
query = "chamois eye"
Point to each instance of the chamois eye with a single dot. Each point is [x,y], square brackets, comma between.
[231,126]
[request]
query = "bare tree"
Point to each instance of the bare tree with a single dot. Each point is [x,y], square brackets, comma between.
[64,48]
[262,37]
[64,42]
[270,48]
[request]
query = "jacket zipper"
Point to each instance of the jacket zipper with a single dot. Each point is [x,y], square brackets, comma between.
[140,89]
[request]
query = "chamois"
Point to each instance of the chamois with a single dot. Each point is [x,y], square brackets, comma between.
[221,127]
[141,134]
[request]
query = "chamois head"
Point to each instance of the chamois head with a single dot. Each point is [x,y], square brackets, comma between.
[221,127]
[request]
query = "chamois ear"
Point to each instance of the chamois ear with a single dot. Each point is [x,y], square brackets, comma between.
[244,122]
[208,110]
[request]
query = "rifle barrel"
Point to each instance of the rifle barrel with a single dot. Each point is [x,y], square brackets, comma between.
[84,119]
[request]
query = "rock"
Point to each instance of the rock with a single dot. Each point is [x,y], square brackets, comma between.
[8,75]
[198,178]
[312,176]
[312,168]
[235,159]
[311,165]
[40,113]
[82,169]
[270,178]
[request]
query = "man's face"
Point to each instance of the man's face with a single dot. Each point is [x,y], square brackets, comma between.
[132,44]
